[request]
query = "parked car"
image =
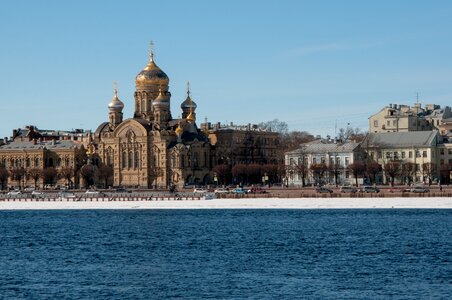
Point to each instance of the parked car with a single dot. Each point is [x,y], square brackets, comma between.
[92,192]
[37,193]
[199,191]
[239,191]
[323,190]
[221,191]
[256,190]
[122,190]
[16,192]
[419,189]
[348,189]
[369,189]
[67,195]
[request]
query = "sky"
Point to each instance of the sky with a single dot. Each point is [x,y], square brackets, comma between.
[313,64]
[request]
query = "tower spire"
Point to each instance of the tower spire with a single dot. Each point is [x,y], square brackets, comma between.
[151,51]
[188,88]
[115,88]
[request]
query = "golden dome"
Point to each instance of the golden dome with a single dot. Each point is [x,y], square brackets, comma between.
[152,74]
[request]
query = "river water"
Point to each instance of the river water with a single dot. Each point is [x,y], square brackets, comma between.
[227,254]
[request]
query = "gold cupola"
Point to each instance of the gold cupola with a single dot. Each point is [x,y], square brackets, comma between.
[152,74]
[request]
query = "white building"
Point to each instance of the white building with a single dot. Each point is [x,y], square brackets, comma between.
[335,156]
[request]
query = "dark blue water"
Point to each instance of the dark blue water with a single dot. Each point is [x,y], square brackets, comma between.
[256,254]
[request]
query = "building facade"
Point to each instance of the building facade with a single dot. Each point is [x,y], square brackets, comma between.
[332,158]
[153,149]
[418,150]
[404,118]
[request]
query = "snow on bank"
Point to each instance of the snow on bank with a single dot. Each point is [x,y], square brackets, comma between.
[246,203]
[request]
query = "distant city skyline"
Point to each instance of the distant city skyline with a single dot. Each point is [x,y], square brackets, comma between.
[313,64]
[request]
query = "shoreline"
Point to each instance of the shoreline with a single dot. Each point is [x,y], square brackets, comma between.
[240,203]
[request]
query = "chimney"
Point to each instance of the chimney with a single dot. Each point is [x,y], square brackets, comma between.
[390,105]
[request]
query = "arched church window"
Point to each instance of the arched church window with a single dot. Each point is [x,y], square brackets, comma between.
[124,160]
[173,161]
[182,161]
[137,159]
[130,160]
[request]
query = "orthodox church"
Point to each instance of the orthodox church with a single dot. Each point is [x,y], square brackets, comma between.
[153,149]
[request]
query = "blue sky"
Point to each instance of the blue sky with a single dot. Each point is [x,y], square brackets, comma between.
[308,63]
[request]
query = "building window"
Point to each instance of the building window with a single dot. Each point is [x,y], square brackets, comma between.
[450,151]
[338,161]
[418,154]
[124,160]
[182,161]
[347,161]
[347,174]
[137,159]
[130,162]
[441,151]
[375,123]
[379,154]
[389,123]
[403,154]
[314,160]
[388,155]
[424,153]
[396,155]
[410,154]
[291,163]
[394,122]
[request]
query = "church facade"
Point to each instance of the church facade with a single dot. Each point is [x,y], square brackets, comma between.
[153,149]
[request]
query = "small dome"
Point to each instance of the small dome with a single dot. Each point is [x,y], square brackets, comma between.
[152,74]
[115,105]
[188,104]
[161,99]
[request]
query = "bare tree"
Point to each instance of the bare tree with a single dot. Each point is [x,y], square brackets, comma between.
[275,126]
[303,171]
[358,169]
[35,174]
[105,173]
[67,173]
[348,133]
[318,172]
[372,169]
[49,175]
[427,170]
[408,171]
[18,174]
[334,170]
[392,169]
[4,175]
[88,172]
[223,172]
